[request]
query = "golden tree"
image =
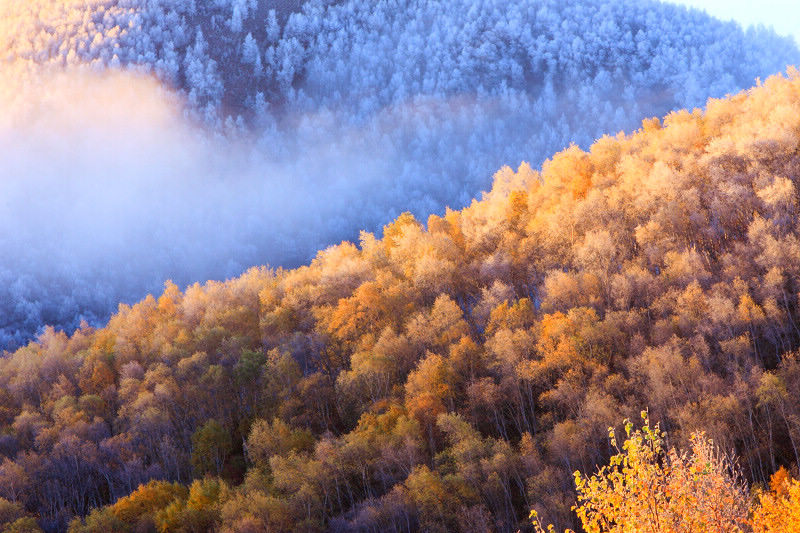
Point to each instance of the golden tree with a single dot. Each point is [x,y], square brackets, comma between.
[647,489]
[778,511]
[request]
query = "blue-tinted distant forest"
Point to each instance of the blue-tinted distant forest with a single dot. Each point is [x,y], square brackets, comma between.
[303,123]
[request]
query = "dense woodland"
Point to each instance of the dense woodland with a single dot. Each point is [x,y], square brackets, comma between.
[451,375]
[413,104]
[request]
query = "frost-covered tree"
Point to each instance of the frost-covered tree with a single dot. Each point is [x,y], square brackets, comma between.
[430,97]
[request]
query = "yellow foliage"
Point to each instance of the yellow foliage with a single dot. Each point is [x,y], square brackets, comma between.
[148,500]
[646,489]
[778,511]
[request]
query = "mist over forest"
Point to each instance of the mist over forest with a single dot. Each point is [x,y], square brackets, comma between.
[143,141]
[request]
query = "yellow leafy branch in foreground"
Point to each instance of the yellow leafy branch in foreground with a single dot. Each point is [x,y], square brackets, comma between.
[648,489]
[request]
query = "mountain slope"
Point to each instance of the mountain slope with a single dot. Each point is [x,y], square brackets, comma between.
[452,375]
[410,104]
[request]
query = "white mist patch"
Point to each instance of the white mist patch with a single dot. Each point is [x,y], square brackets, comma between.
[106,192]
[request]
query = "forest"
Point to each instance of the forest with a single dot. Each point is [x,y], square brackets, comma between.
[282,115]
[457,373]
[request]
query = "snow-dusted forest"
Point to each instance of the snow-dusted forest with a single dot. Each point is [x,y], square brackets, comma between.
[276,128]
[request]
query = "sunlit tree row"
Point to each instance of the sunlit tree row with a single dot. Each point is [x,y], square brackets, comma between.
[414,104]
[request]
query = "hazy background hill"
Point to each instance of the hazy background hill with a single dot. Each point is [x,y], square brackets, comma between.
[274,130]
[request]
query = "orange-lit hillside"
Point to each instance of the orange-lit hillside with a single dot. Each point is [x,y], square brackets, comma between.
[261,123]
[452,375]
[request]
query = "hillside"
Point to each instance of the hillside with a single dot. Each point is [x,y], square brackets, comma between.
[277,122]
[451,375]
